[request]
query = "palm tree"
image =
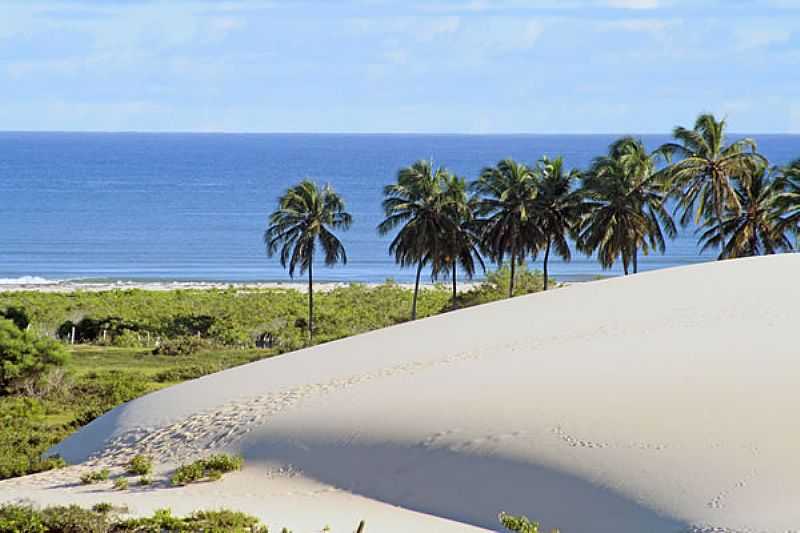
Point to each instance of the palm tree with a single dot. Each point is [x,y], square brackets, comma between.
[788,200]
[559,207]
[756,227]
[461,245]
[703,177]
[305,216]
[614,225]
[506,210]
[627,210]
[417,205]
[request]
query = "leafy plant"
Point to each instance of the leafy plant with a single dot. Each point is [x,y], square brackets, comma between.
[121,483]
[519,524]
[24,356]
[211,468]
[139,465]
[95,476]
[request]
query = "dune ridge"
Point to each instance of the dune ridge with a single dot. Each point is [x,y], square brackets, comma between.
[661,402]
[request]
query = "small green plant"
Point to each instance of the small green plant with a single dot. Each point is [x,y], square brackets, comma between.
[144,481]
[102,508]
[211,468]
[139,465]
[121,483]
[519,524]
[95,476]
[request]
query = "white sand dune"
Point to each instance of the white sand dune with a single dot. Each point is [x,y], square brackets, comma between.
[661,402]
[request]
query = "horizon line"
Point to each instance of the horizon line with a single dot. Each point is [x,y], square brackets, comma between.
[440,133]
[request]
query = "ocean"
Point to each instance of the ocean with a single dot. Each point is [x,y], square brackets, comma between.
[193,207]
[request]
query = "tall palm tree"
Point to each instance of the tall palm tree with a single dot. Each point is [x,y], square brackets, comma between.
[559,208]
[614,225]
[461,246]
[648,190]
[417,205]
[756,227]
[506,210]
[788,200]
[702,179]
[305,216]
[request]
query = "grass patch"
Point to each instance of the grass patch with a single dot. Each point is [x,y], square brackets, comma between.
[95,476]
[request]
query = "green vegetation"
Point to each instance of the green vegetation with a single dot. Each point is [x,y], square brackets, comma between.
[519,524]
[139,465]
[121,483]
[95,476]
[25,358]
[305,218]
[103,518]
[211,468]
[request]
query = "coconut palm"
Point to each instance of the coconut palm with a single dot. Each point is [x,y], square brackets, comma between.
[788,200]
[461,246]
[417,205]
[305,217]
[626,204]
[703,177]
[648,190]
[506,213]
[559,208]
[756,227]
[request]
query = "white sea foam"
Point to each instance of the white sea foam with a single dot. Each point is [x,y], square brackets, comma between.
[28,280]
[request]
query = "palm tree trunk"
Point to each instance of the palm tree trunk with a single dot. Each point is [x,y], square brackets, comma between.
[513,267]
[625,266]
[310,302]
[635,260]
[546,257]
[454,284]
[416,291]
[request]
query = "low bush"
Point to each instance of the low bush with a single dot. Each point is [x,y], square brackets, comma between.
[184,345]
[99,392]
[95,476]
[519,524]
[103,518]
[25,436]
[25,357]
[174,375]
[210,468]
[144,481]
[139,465]
[121,483]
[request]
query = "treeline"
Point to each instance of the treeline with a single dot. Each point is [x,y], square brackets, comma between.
[616,209]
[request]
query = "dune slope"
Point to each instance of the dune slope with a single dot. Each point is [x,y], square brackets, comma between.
[661,402]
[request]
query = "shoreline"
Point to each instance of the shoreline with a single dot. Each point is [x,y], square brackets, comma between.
[67,286]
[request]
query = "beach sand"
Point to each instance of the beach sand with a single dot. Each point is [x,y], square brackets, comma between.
[661,402]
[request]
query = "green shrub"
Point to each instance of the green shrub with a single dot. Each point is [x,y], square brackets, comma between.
[17,315]
[519,524]
[174,375]
[185,345]
[211,468]
[144,481]
[139,465]
[24,356]
[25,436]
[95,476]
[99,392]
[127,339]
[121,483]
[16,518]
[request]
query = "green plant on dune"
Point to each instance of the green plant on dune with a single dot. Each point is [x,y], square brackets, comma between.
[95,476]
[25,357]
[210,468]
[306,216]
[139,465]
[519,524]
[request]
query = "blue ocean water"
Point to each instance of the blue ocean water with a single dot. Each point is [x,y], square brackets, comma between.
[141,206]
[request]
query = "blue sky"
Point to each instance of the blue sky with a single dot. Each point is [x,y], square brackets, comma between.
[473,66]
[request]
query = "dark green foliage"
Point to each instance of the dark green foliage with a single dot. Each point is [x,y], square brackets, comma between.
[24,357]
[17,315]
[174,375]
[210,468]
[497,283]
[15,518]
[139,465]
